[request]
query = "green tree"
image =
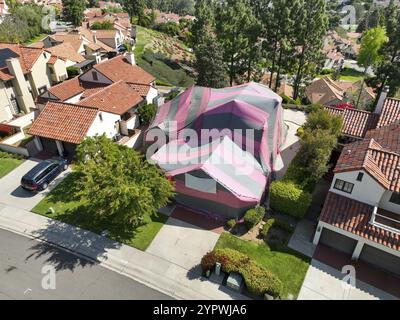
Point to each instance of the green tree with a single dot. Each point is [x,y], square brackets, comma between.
[210,63]
[105,25]
[388,72]
[135,8]
[121,187]
[370,56]
[205,21]
[147,113]
[73,11]
[310,31]
[233,20]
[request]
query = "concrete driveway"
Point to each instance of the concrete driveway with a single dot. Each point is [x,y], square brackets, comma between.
[323,282]
[12,194]
[182,243]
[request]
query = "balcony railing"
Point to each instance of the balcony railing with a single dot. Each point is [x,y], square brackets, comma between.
[386,220]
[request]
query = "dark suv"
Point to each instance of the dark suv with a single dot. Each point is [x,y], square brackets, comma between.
[39,177]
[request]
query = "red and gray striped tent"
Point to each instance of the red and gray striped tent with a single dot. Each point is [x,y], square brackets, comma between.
[210,179]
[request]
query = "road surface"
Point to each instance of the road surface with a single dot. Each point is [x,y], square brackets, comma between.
[24,263]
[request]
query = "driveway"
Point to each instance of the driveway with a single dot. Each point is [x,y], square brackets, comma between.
[12,194]
[323,282]
[182,243]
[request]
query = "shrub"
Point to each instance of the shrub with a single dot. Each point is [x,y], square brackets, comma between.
[321,119]
[266,227]
[287,197]
[253,216]
[208,261]
[300,132]
[72,71]
[9,155]
[231,223]
[258,280]
[327,71]
[288,100]
[275,223]
[147,113]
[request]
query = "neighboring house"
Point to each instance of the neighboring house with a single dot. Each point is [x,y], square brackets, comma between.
[221,177]
[25,73]
[116,88]
[361,214]
[334,60]
[328,92]
[66,52]
[356,123]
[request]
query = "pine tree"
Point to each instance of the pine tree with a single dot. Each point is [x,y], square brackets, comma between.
[135,8]
[204,23]
[210,63]
[309,32]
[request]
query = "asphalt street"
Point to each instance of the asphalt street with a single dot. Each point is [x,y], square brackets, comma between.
[27,267]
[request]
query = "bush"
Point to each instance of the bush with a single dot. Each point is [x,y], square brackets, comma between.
[300,132]
[231,223]
[288,100]
[266,227]
[8,155]
[147,113]
[258,280]
[327,71]
[254,216]
[287,197]
[208,261]
[285,226]
[72,72]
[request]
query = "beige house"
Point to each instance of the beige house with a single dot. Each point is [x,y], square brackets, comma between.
[25,73]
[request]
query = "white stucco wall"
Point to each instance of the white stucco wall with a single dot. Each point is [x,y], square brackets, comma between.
[5,103]
[367,191]
[74,99]
[387,205]
[153,92]
[40,74]
[108,126]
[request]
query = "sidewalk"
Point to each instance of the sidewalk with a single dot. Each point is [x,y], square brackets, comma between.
[144,267]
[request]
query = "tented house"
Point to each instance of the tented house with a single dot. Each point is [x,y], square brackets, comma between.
[238,134]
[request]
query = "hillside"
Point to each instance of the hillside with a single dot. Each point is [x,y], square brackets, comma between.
[165,57]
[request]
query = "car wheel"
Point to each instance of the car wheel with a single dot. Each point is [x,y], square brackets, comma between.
[44,186]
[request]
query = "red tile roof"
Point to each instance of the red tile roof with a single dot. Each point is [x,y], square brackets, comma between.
[117,98]
[64,122]
[354,216]
[70,88]
[390,112]
[119,68]
[356,123]
[27,55]
[142,89]
[52,60]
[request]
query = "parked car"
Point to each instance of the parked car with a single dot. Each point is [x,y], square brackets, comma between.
[39,177]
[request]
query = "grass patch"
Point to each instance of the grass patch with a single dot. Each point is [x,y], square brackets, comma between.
[289,266]
[36,38]
[8,164]
[156,53]
[69,209]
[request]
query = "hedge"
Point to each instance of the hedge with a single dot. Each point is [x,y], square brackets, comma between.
[254,216]
[272,222]
[287,197]
[4,154]
[258,280]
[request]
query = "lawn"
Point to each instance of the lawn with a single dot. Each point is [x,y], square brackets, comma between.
[69,209]
[288,265]
[8,164]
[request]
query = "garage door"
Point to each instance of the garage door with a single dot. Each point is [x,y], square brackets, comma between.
[380,259]
[337,241]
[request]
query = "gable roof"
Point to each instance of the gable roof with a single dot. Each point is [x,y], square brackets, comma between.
[117,98]
[63,121]
[27,56]
[73,39]
[354,216]
[390,112]
[66,51]
[223,160]
[355,122]
[118,68]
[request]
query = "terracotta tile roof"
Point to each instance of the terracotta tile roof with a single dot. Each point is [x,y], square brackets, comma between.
[66,51]
[5,74]
[382,164]
[70,88]
[119,68]
[52,60]
[390,112]
[89,37]
[64,122]
[72,38]
[388,136]
[117,98]
[354,216]
[356,123]
[142,89]
[106,34]
[27,56]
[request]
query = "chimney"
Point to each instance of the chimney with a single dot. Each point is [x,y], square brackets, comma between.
[20,85]
[381,101]
[131,58]
[94,36]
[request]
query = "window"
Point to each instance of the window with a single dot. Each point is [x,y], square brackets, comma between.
[42,89]
[343,186]
[360,176]
[15,106]
[395,198]
[94,75]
